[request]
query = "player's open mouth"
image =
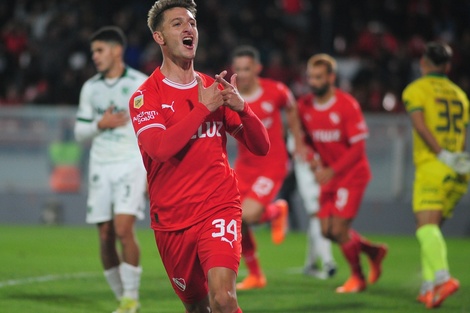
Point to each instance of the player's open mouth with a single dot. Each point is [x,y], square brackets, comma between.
[188,42]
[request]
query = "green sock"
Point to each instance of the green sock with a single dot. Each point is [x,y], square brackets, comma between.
[433,250]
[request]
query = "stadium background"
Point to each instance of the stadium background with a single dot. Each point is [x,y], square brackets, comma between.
[44,60]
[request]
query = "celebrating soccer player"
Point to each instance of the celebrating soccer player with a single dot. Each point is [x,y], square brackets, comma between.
[439,113]
[181,118]
[117,183]
[336,128]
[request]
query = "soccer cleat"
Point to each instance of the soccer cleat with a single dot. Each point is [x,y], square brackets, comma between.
[353,285]
[376,264]
[128,305]
[444,290]
[279,224]
[328,271]
[252,282]
[426,298]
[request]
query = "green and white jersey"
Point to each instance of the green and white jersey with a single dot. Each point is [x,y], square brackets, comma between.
[97,95]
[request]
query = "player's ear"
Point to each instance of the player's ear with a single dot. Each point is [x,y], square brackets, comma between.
[158,37]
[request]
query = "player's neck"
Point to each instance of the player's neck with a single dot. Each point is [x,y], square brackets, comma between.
[182,72]
[116,71]
[249,89]
[326,97]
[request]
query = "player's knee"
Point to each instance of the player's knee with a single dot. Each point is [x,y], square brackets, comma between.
[224,301]
[251,216]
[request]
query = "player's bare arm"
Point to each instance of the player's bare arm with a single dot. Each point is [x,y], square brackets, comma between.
[417,119]
[210,96]
[112,119]
[230,94]
[302,151]
[324,174]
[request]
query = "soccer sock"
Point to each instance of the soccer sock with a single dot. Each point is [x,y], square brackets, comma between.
[270,212]
[351,251]
[113,277]
[433,251]
[238,311]
[249,253]
[311,255]
[366,246]
[321,244]
[130,276]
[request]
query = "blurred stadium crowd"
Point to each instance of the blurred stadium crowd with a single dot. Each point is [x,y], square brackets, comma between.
[44,51]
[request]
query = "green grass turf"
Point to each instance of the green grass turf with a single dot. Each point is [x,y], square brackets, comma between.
[57,269]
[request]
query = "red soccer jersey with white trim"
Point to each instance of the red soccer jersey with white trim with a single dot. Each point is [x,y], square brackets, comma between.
[197,181]
[267,103]
[333,127]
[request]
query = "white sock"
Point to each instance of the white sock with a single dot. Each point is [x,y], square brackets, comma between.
[113,277]
[442,276]
[321,244]
[311,255]
[130,276]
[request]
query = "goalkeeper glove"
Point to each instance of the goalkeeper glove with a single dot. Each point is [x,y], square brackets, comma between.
[459,161]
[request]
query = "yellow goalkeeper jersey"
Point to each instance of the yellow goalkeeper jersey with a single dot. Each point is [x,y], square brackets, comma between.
[446,113]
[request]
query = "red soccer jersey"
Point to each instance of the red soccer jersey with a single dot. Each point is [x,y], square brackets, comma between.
[197,181]
[267,103]
[333,127]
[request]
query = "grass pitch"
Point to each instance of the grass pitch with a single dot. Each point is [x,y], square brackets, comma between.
[57,270]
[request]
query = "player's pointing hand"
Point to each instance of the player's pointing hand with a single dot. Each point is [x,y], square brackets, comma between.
[230,94]
[210,96]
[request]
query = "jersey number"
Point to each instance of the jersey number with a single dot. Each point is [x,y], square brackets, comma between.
[451,114]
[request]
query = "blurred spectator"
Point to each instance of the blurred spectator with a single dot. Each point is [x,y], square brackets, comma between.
[44,57]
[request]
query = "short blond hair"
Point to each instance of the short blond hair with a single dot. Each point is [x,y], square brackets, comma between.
[155,15]
[323,59]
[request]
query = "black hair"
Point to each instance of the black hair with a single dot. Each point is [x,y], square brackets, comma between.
[109,34]
[246,51]
[438,53]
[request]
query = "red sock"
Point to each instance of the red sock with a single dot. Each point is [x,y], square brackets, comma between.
[366,247]
[270,212]
[351,251]
[249,253]
[238,311]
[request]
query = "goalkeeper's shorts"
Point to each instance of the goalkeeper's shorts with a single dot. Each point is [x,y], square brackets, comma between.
[438,187]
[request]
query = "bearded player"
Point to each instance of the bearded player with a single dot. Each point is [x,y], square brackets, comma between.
[336,127]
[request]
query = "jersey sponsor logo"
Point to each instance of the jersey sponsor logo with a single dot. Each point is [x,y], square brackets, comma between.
[267,106]
[139,100]
[169,106]
[144,116]
[326,135]
[334,118]
[208,130]
[180,283]
[225,229]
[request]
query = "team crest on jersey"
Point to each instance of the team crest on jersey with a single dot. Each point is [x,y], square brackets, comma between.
[334,118]
[180,283]
[267,106]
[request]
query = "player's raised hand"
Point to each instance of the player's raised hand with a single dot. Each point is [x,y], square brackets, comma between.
[113,119]
[210,96]
[230,94]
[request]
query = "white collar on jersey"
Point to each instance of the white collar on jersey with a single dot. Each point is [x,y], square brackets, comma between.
[178,85]
[324,106]
[254,96]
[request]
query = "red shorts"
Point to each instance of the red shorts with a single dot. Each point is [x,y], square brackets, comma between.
[188,254]
[343,202]
[260,187]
